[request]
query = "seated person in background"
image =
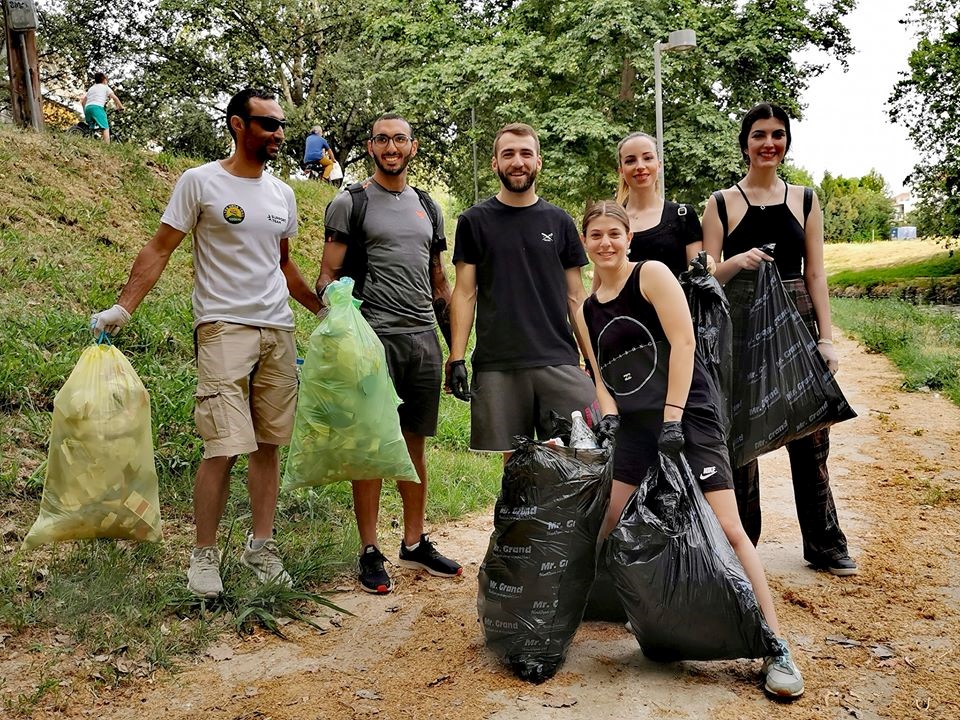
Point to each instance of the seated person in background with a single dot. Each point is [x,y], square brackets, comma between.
[318,150]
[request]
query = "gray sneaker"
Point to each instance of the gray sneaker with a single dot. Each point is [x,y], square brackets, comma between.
[782,678]
[203,577]
[265,562]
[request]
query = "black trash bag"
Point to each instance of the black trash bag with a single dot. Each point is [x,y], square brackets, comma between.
[603,603]
[782,388]
[536,575]
[710,311]
[681,584]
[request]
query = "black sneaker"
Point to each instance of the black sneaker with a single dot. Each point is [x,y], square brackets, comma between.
[426,557]
[842,566]
[373,578]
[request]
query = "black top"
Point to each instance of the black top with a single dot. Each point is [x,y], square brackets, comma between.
[521,256]
[764,224]
[667,241]
[633,353]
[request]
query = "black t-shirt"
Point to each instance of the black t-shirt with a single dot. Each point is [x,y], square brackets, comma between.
[633,353]
[521,256]
[667,241]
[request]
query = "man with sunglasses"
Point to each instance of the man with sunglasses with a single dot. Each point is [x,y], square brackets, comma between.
[242,220]
[402,275]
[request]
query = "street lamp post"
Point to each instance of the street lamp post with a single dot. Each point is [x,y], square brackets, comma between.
[677,40]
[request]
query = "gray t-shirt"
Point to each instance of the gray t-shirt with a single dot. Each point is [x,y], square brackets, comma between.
[397,294]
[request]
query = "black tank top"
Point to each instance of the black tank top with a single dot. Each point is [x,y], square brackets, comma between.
[632,351]
[667,240]
[763,224]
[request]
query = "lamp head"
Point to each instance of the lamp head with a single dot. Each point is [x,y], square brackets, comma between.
[681,40]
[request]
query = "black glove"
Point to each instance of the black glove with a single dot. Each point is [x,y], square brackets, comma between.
[459,383]
[606,430]
[671,438]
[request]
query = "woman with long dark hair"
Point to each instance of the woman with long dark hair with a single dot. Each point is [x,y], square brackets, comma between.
[760,209]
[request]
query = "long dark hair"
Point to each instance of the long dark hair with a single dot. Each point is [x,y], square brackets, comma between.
[762,111]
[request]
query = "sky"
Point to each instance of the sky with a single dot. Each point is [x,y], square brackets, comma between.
[845,129]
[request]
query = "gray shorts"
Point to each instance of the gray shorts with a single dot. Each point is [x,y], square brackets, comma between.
[415,364]
[506,403]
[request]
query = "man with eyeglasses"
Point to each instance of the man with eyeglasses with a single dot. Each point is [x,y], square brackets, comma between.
[518,261]
[402,273]
[242,220]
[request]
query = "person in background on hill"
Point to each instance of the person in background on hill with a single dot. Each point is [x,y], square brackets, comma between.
[242,220]
[518,261]
[404,274]
[656,396]
[318,150]
[94,104]
[761,209]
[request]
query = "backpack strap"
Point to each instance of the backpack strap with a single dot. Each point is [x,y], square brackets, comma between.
[722,211]
[355,263]
[438,243]
[807,204]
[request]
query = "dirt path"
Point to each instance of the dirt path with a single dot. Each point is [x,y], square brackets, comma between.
[880,645]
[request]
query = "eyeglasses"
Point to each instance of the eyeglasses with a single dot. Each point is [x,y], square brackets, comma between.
[399,140]
[270,124]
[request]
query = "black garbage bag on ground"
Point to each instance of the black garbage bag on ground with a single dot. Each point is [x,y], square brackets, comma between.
[603,603]
[681,584]
[710,311]
[782,388]
[536,575]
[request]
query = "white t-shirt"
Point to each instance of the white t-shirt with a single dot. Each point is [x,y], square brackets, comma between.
[98,94]
[237,226]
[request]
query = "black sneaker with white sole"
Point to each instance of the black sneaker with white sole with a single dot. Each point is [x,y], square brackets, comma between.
[425,556]
[842,566]
[373,577]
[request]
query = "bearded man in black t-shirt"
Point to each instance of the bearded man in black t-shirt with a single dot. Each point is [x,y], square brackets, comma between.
[518,261]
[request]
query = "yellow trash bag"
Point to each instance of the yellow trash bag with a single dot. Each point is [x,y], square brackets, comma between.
[101,481]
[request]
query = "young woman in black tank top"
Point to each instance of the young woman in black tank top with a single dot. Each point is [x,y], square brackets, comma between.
[761,209]
[642,345]
[662,230]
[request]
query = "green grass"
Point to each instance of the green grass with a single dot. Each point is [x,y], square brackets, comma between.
[923,342]
[942,265]
[78,218]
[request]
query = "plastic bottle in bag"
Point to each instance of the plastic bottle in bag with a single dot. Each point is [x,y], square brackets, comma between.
[581,437]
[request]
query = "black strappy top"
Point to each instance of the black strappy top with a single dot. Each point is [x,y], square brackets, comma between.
[763,224]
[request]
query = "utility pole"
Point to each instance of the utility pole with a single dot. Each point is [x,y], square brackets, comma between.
[20,25]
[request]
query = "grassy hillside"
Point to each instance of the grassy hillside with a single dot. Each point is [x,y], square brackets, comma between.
[73,214]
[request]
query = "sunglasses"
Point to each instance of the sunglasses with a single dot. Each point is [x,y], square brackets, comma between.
[270,124]
[399,140]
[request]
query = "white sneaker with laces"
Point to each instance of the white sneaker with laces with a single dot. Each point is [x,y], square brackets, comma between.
[203,577]
[782,678]
[265,562]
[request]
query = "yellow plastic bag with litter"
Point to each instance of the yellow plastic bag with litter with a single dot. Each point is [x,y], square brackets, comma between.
[101,480]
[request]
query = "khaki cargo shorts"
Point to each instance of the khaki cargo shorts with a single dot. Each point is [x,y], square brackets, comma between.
[246,387]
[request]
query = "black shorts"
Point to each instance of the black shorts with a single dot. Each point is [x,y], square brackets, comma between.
[704,448]
[415,363]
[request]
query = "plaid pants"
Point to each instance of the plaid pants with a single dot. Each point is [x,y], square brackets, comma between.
[823,540]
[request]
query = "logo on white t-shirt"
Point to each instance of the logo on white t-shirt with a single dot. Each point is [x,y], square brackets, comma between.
[234,214]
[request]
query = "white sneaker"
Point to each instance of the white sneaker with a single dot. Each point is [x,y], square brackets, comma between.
[783,679]
[265,562]
[203,577]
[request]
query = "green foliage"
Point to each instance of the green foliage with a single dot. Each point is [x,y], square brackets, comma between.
[855,209]
[580,71]
[927,103]
[923,342]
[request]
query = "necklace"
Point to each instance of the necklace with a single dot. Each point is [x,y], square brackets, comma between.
[763,206]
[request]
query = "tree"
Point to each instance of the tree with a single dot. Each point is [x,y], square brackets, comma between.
[855,209]
[927,102]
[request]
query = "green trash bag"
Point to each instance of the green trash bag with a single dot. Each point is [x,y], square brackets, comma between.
[347,426]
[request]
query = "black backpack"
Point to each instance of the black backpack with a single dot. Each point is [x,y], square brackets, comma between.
[355,263]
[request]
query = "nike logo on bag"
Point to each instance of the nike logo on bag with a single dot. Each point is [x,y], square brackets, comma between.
[708,472]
